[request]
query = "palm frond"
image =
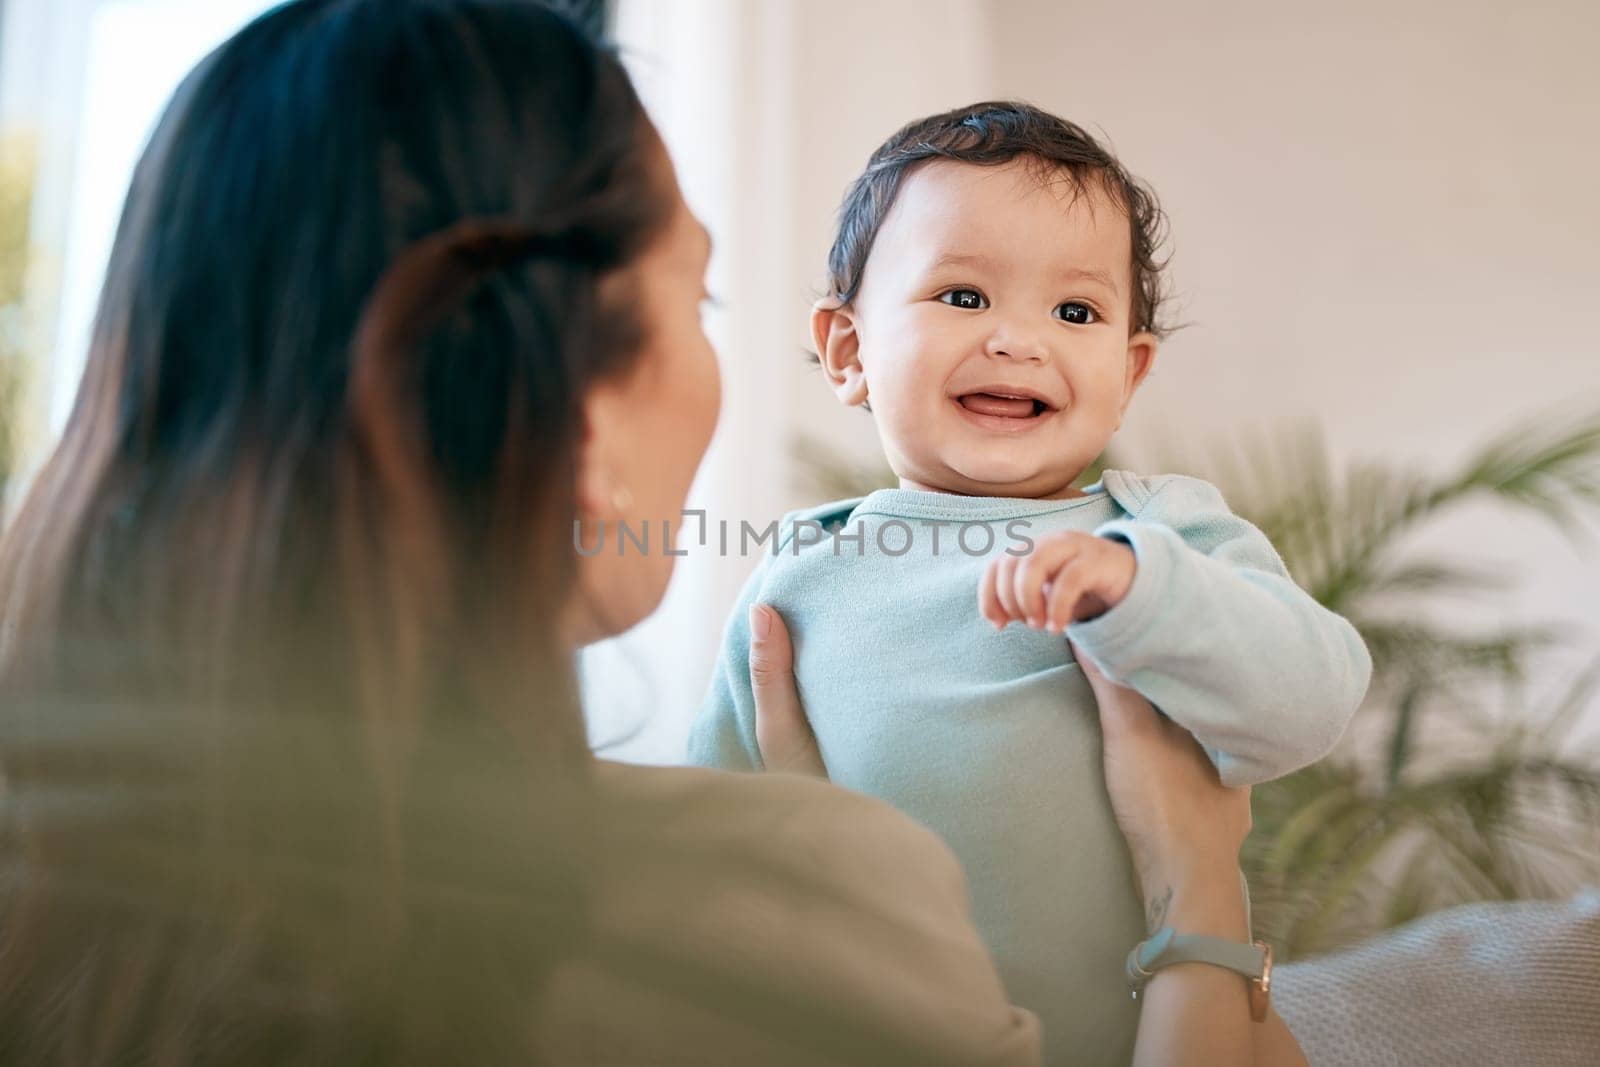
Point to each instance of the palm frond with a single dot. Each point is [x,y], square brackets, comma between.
[1339,857]
[1421,577]
[1407,651]
[1551,471]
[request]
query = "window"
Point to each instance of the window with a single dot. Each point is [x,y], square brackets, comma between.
[82,84]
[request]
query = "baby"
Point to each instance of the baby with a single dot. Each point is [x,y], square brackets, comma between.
[994,300]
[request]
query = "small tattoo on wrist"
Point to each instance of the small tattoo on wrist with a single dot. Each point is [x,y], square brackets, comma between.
[1155,910]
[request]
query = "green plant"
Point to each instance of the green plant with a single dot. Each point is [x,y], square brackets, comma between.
[1372,837]
[1368,839]
[827,474]
[16,206]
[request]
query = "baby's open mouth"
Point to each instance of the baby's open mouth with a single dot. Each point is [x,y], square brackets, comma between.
[1003,405]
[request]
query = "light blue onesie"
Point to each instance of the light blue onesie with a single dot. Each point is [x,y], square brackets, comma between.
[992,739]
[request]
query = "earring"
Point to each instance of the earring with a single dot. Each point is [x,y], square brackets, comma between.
[621,498]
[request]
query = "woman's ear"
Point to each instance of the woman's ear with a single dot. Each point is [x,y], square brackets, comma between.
[1141,358]
[597,486]
[833,331]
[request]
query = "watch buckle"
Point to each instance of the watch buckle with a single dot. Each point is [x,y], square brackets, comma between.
[1261,988]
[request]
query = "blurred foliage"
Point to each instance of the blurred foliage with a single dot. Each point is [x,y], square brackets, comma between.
[828,474]
[1365,840]
[16,209]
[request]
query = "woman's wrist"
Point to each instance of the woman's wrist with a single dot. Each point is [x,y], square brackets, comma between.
[1200,900]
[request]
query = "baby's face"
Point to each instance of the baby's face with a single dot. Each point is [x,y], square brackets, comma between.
[992,332]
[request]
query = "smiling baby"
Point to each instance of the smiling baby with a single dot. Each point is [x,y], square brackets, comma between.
[994,303]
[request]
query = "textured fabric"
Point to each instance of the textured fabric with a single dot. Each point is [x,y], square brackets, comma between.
[1484,985]
[773,920]
[992,739]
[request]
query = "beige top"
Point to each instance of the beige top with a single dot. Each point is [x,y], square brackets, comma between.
[771,919]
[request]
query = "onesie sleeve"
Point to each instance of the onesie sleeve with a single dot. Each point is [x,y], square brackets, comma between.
[1216,634]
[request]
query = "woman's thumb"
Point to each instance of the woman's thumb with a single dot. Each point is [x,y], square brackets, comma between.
[1120,708]
[771,654]
[1091,671]
[782,733]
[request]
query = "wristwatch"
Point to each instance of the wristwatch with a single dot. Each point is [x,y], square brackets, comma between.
[1166,947]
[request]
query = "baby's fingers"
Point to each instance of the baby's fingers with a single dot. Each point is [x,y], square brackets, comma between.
[1066,589]
[1005,587]
[1042,566]
[996,600]
[988,600]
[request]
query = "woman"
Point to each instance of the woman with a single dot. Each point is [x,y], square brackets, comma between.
[294,768]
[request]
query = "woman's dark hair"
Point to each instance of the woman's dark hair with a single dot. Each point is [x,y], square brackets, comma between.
[989,134]
[290,756]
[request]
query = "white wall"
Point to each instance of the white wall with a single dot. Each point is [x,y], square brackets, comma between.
[1384,214]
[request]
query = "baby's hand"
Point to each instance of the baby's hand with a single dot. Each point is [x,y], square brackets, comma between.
[1068,577]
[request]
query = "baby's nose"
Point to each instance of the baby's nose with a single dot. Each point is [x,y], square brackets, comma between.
[1014,344]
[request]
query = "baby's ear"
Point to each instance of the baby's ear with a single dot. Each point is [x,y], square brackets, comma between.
[833,331]
[1141,358]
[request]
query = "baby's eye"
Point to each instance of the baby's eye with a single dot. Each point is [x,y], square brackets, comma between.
[967,299]
[1072,311]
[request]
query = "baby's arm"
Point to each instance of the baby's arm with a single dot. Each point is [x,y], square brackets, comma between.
[724,735]
[1215,633]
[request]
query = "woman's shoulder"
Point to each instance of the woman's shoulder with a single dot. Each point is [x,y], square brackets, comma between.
[777,819]
[804,843]
[826,922]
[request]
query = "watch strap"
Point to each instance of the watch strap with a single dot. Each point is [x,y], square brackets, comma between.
[1166,947]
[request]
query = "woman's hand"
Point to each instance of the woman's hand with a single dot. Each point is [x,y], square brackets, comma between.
[783,733]
[1180,821]
[1184,830]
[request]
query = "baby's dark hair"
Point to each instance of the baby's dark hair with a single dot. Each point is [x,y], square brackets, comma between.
[989,134]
